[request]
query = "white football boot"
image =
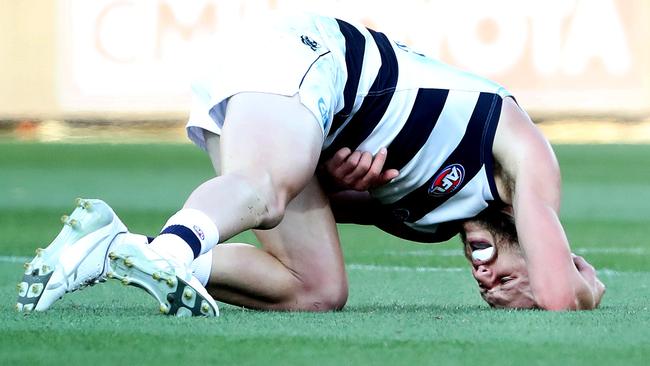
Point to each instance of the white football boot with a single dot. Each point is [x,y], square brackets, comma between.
[75,259]
[173,285]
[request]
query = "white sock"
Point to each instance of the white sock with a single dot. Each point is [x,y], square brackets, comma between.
[202,266]
[186,235]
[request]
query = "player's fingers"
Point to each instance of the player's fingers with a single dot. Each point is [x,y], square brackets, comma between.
[341,155]
[371,180]
[373,175]
[583,266]
[378,163]
[360,169]
[335,161]
[600,291]
[589,274]
[577,260]
[347,166]
[388,175]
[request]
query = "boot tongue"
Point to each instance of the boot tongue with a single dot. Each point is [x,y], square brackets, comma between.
[482,254]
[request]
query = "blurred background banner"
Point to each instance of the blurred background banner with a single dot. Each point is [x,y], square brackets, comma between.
[125,58]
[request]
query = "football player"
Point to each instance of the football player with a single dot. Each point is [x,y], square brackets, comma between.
[452,146]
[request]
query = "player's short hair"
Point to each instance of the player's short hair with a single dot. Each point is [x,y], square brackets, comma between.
[500,224]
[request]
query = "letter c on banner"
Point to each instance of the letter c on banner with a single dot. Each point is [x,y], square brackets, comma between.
[99,27]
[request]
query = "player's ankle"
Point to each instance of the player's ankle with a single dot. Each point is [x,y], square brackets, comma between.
[186,235]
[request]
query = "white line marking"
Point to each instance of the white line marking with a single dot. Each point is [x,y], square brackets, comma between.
[373,267]
[13,259]
[381,268]
[459,252]
[425,253]
[639,250]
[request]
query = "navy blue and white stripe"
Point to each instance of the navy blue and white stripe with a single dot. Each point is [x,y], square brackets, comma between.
[429,115]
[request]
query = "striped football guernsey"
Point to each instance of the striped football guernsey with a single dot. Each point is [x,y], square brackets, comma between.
[438,124]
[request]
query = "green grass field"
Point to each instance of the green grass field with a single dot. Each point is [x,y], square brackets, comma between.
[409,304]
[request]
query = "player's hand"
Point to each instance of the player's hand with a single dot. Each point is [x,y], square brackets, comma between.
[359,170]
[589,274]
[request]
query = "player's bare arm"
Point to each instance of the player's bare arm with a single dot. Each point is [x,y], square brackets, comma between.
[530,181]
[356,206]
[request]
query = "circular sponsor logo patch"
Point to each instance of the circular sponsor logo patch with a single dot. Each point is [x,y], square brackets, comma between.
[448,180]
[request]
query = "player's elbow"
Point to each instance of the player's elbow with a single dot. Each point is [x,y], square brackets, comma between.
[580,299]
[557,303]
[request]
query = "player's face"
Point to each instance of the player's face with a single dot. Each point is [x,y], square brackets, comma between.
[502,275]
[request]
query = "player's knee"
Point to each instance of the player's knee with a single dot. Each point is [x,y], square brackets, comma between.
[335,298]
[328,296]
[268,200]
[275,202]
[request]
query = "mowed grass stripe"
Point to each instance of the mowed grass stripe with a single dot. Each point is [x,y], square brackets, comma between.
[403,309]
[367,267]
[424,318]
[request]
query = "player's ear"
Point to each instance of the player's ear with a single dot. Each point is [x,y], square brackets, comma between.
[508,210]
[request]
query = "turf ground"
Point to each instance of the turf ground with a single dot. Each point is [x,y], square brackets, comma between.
[409,304]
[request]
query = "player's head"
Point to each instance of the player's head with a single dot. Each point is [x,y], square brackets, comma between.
[491,247]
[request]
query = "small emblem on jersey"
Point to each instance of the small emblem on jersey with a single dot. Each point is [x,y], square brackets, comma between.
[199,232]
[309,42]
[447,181]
